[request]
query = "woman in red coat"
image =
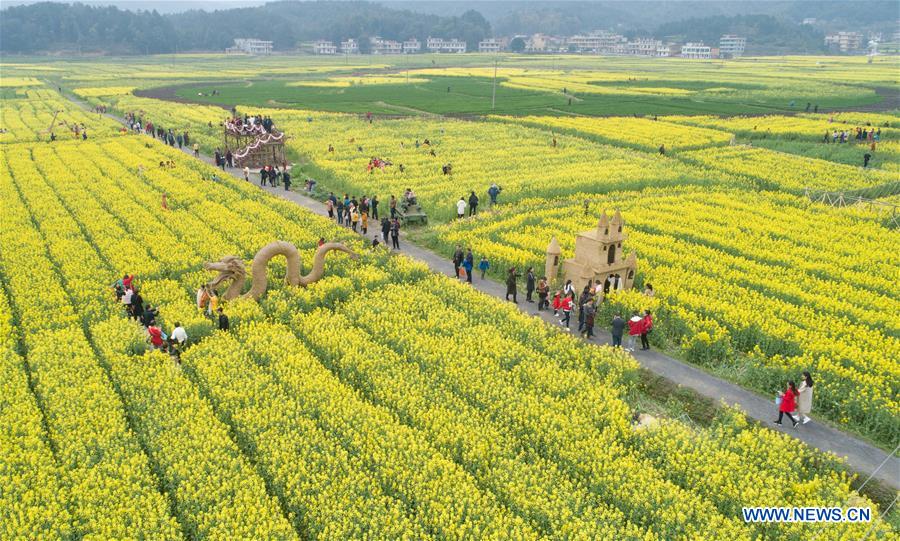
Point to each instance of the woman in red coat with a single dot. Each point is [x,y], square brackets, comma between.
[647,327]
[635,328]
[788,403]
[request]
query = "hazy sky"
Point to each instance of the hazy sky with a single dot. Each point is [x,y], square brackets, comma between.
[172,6]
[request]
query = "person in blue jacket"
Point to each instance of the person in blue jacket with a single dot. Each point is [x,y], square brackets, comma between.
[483,266]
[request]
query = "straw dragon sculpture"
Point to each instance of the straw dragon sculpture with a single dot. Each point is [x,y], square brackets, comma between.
[231,268]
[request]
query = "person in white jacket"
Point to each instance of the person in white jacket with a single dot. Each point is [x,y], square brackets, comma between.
[804,399]
[461,208]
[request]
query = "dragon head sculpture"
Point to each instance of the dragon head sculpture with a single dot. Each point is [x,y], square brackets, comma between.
[230,268]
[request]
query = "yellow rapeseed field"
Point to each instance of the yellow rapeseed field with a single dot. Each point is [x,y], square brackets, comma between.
[510,429]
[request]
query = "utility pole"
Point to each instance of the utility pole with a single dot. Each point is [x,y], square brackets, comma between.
[494,86]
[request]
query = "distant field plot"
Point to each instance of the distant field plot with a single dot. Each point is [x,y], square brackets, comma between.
[15,82]
[513,96]
[94,92]
[205,67]
[33,115]
[436,95]
[640,133]
[885,156]
[348,81]
[556,87]
[801,127]
[804,135]
[786,172]
[888,119]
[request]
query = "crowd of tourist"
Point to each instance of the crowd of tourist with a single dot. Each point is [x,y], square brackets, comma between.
[249,124]
[167,136]
[356,213]
[869,136]
[127,294]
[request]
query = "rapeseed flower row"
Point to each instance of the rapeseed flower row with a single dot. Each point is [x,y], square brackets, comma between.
[112,491]
[190,449]
[580,425]
[446,499]
[216,490]
[530,485]
[325,486]
[32,503]
[365,359]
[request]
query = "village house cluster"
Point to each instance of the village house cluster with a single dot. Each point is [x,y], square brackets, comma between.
[379,45]
[855,42]
[610,43]
[599,42]
[607,43]
[848,41]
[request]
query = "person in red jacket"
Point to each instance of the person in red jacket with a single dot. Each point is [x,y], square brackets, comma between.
[156,337]
[648,326]
[635,329]
[788,403]
[566,306]
[557,303]
[127,281]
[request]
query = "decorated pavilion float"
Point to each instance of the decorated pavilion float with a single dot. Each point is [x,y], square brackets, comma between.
[252,144]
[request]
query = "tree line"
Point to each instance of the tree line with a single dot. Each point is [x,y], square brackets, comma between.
[50,27]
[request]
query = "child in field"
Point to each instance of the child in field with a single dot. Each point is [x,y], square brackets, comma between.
[788,404]
[557,303]
[566,304]
[483,266]
[213,303]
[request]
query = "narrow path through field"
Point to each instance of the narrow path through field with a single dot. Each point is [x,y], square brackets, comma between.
[861,456]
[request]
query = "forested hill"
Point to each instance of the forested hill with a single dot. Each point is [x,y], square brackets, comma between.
[770,27]
[48,27]
[765,34]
